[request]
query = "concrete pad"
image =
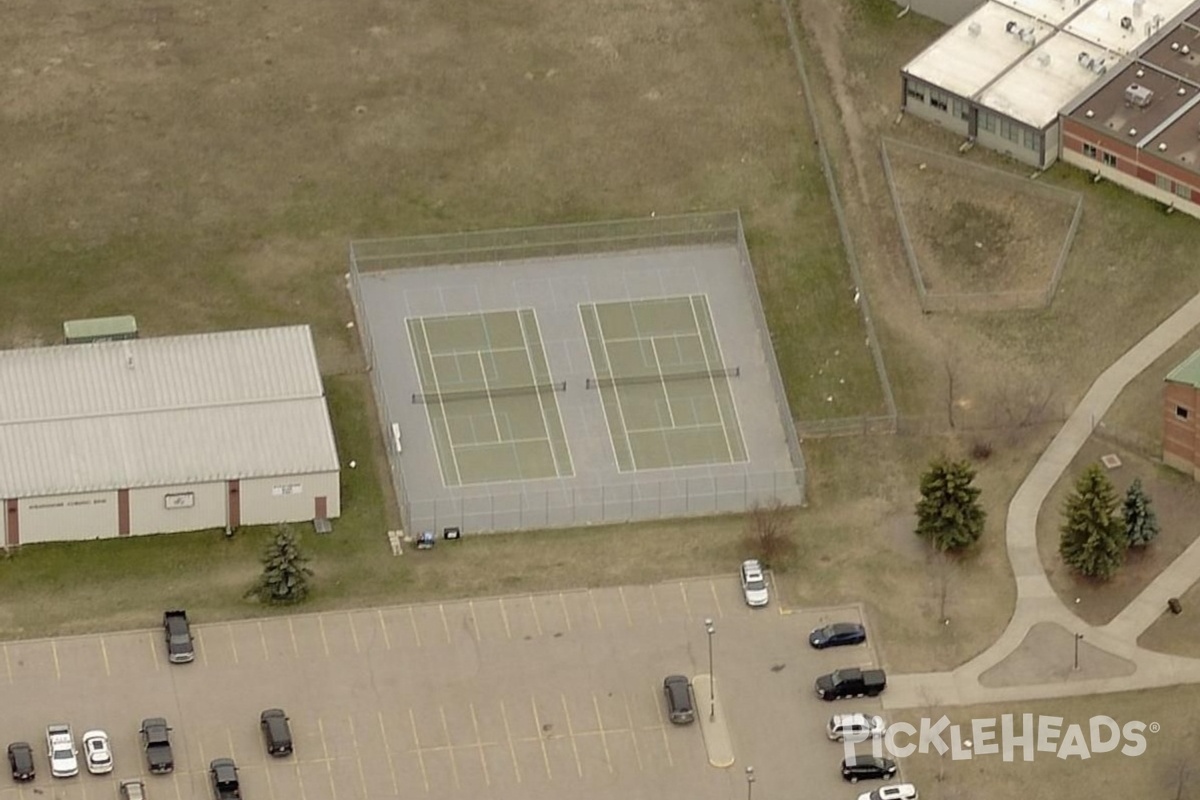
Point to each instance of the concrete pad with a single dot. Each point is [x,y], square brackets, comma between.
[1047,655]
[711,716]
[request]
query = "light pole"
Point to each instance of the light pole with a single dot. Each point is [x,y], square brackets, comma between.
[749,783]
[1078,636]
[710,629]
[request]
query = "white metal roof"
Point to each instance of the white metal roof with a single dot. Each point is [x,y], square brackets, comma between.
[972,53]
[161,412]
[981,59]
[1055,70]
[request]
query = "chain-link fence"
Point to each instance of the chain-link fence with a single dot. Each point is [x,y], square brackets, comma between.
[937,300]
[567,506]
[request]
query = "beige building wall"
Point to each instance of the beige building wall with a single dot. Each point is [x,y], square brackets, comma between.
[68,517]
[171,509]
[290,498]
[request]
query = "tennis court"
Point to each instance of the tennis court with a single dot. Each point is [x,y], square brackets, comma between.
[663,383]
[489,397]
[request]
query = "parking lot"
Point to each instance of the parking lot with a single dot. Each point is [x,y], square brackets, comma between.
[524,697]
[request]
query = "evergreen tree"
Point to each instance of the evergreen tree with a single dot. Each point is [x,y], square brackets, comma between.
[285,572]
[1141,523]
[948,514]
[1093,533]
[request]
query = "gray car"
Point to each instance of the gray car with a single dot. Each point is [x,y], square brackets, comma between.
[678,691]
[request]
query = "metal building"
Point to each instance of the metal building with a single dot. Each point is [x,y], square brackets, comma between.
[166,434]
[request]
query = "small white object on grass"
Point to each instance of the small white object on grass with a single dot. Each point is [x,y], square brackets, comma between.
[1077,599]
[350,324]
[829,399]
[353,464]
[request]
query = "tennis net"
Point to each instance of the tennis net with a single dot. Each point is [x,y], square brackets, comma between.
[632,380]
[483,394]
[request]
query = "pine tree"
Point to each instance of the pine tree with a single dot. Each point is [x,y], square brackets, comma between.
[1141,523]
[285,575]
[948,514]
[1093,533]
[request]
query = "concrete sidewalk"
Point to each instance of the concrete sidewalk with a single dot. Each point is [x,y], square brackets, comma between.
[1038,604]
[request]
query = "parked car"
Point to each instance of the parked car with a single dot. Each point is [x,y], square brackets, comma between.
[156,742]
[20,761]
[837,634]
[178,633]
[754,584]
[224,776]
[893,791]
[276,732]
[132,789]
[866,767]
[851,682]
[678,690]
[60,747]
[855,727]
[96,753]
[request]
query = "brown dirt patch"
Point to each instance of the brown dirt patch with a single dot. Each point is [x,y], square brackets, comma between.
[1176,500]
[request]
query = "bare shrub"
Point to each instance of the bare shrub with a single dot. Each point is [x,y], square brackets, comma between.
[770,534]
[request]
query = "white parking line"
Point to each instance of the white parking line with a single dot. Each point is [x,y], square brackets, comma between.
[603,735]
[637,751]
[387,749]
[387,642]
[449,747]
[300,781]
[175,777]
[537,731]
[262,638]
[54,652]
[445,624]
[536,620]
[270,784]
[412,720]
[232,643]
[571,733]
[325,752]
[628,616]
[104,654]
[657,610]
[686,605]
[504,616]
[362,779]
[292,632]
[487,779]
[474,620]
[716,599]
[566,614]
[7,665]
[412,618]
[512,750]
[662,727]
[595,611]
[353,633]
[154,653]
[324,641]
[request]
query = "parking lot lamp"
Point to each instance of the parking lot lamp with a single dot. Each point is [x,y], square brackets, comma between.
[749,783]
[710,629]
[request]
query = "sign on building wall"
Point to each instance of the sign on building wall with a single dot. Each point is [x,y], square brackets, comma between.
[287,489]
[180,500]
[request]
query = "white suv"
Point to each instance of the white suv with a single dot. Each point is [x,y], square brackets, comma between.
[60,746]
[754,584]
[854,727]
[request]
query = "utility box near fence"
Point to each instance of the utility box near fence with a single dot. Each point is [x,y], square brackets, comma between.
[101,329]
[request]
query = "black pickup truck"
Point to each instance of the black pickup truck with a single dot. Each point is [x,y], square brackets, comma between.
[851,682]
[156,741]
[224,776]
[178,633]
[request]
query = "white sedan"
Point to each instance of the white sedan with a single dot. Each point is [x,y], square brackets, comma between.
[893,791]
[754,584]
[97,753]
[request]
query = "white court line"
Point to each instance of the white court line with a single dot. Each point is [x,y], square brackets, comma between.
[506,441]
[696,427]
[712,379]
[491,403]
[662,380]
[533,376]
[616,394]
[412,345]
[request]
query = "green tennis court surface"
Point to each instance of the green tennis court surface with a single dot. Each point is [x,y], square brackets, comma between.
[662,382]
[488,393]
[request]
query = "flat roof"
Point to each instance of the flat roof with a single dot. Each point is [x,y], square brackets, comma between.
[1102,22]
[970,55]
[1037,88]
[1187,372]
[1178,53]
[1052,12]
[164,411]
[1110,112]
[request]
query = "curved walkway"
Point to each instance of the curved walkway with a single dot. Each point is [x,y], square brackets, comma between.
[1037,603]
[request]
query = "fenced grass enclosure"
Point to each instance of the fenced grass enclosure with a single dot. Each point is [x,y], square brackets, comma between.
[727,488]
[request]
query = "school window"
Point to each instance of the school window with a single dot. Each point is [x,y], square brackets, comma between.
[987,121]
[958,108]
[1183,190]
[1031,140]
[939,99]
[1181,412]
[1162,182]
[1089,150]
[1109,159]
[1011,130]
[915,91]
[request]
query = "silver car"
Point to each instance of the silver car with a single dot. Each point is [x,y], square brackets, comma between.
[754,584]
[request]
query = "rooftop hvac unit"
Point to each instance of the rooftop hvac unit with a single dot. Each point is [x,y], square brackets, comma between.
[1085,60]
[1044,59]
[974,28]
[1138,95]
[1127,23]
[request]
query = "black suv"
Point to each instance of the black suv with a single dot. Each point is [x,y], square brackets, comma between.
[863,768]
[224,775]
[20,759]
[677,688]
[276,732]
